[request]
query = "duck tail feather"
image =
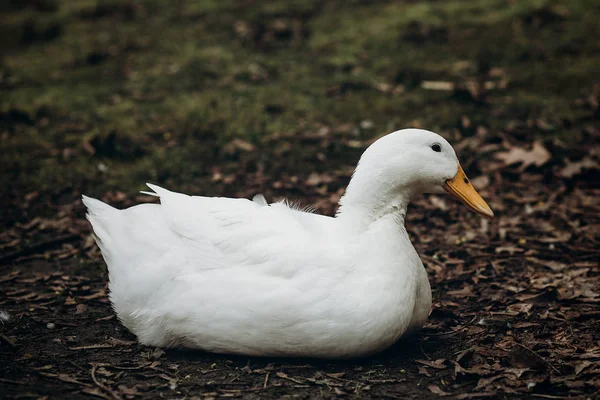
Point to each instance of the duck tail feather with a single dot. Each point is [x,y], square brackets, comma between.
[95,206]
[97,214]
[158,191]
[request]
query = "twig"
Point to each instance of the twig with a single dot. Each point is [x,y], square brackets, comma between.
[141,366]
[459,330]
[101,386]
[93,347]
[13,382]
[542,358]
[38,247]
[423,351]
[8,340]
[266,380]
[12,276]
[77,366]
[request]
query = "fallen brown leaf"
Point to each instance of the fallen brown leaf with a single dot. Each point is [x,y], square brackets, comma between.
[435,389]
[537,156]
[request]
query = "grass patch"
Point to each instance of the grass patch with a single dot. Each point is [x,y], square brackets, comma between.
[171,83]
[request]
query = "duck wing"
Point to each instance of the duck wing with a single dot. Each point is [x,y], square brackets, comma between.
[192,270]
[223,232]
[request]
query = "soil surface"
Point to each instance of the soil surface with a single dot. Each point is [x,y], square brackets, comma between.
[238,98]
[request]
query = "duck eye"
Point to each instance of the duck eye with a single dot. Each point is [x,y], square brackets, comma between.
[436,147]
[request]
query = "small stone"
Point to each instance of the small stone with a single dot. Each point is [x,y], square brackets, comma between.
[367,124]
[51,325]
[4,316]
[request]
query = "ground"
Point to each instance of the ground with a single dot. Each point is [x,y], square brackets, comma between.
[235,98]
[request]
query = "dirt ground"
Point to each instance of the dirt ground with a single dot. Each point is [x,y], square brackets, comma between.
[238,98]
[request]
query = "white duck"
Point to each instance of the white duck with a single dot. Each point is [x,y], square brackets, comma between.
[244,277]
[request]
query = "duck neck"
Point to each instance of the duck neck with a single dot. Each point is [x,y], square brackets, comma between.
[369,198]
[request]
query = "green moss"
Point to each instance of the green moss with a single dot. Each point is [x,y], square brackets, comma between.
[202,73]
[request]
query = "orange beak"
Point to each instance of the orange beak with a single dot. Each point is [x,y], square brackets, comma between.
[461,188]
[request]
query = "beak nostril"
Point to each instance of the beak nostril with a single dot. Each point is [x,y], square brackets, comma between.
[465,180]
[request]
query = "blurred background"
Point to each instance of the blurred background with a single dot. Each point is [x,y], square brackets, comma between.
[238,97]
[106,95]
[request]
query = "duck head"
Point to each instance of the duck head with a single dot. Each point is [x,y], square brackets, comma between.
[404,164]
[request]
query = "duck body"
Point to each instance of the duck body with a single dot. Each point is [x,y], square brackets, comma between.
[236,276]
[243,277]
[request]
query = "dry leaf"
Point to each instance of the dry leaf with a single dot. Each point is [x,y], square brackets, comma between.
[575,168]
[435,389]
[437,364]
[537,156]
